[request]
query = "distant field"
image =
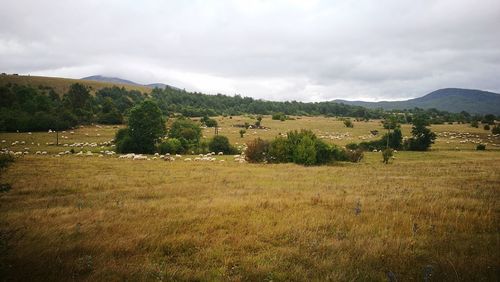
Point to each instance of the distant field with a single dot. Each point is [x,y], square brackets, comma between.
[105,219]
[61,85]
[329,129]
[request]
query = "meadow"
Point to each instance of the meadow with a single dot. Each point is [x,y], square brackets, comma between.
[425,215]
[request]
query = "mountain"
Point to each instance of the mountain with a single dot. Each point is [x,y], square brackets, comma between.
[109,79]
[448,99]
[125,81]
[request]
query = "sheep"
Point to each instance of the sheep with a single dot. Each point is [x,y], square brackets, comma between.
[221,153]
[44,152]
[140,157]
[187,159]
[178,156]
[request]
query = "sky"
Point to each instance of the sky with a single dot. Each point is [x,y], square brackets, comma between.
[274,50]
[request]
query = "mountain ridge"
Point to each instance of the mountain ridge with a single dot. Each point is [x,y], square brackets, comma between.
[446,99]
[102,78]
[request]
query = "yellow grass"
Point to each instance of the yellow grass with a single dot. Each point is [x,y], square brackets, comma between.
[106,219]
[61,85]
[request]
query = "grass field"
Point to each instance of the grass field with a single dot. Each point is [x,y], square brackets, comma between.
[430,213]
[61,85]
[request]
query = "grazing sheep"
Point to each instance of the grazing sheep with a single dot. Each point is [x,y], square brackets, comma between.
[140,157]
[221,153]
[178,156]
[187,159]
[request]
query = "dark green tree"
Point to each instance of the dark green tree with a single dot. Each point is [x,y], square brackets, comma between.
[145,127]
[220,143]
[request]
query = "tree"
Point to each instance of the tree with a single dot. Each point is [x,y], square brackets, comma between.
[186,129]
[242,132]
[423,137]
[79,101]
[145,127]
[220,143]
[259,121]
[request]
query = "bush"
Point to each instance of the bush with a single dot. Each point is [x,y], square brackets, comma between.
[474,123]
[387,155]
[280,116]
[171,146]
[220,143]
[495,129]
[242,132]
[348,123]
[481,147]
[186,129]
[5,160]
[305,152]
[256,151]
[486,127]
[279,151]
[211,122]
[353,156]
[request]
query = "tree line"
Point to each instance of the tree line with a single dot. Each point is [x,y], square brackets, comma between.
[28,108]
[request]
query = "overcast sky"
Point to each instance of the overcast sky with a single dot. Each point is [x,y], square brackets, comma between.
[275,50]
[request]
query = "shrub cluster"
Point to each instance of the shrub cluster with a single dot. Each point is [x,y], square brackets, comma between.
[279,116]
[300,147]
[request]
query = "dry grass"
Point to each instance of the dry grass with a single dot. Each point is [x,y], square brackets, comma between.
[105,219]
[61,85]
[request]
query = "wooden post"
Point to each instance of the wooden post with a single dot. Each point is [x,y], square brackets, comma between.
[57,138]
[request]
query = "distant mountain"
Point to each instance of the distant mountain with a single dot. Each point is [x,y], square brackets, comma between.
[109,79]
[125,81]
[448,99]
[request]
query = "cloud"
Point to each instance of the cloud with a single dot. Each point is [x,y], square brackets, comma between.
[277,50]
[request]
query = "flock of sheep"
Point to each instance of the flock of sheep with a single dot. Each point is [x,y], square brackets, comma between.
[469,138]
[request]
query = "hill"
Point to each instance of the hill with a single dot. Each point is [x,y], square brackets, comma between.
[448,99]
[61,85]
[125,81]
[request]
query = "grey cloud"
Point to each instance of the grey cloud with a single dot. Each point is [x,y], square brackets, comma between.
[283,50]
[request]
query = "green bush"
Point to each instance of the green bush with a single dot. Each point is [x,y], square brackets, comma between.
[495,129]
[279,116]
[171,146]
[348,123]
[220,143]
[186,129]
[481,147]
[474,123]
[486,127]
[279,151]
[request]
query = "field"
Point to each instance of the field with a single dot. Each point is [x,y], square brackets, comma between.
[61,85]
[427,214]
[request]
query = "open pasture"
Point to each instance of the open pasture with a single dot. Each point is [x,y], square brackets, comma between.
[450,137]
[428,214]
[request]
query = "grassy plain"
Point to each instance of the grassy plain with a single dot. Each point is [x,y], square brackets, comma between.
[86,218]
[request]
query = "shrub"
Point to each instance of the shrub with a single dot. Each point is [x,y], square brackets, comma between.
[305,152]
[5,160]
[495,129]
[256,150]
[348,123]
[280,116]
[187,129]
[279,151]
[353,156]
[486,127]
[211,122]
[481,147]
[353,146]
[422,138]
[474,123]
[242,132]
[171,146]
[220,143]
[387,155]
